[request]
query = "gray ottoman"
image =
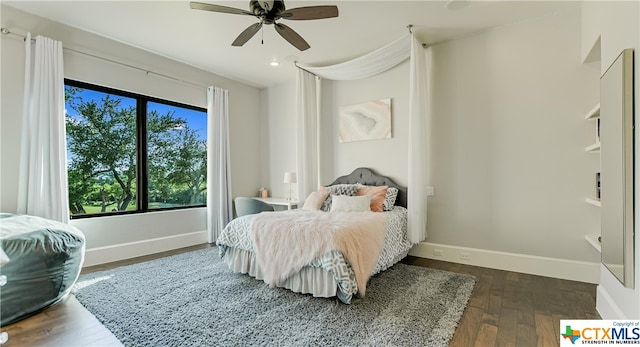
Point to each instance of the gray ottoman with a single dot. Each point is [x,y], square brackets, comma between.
[45,258]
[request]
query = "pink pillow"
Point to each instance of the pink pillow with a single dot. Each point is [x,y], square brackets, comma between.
[377,194]
[314,200]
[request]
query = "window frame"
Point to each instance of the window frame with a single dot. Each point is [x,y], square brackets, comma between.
[142,186]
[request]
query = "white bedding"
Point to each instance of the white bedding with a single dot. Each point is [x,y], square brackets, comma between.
[238,251]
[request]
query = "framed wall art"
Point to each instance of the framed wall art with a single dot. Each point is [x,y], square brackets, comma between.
[365,121]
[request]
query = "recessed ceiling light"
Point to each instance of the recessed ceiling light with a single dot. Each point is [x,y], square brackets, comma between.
[274,63]
[453,5]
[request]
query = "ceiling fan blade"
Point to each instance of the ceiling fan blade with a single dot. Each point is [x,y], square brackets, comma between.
[310,12]
[288,34]
[246,34]
[217,8]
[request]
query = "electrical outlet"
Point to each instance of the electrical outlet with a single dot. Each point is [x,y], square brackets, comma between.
[465,256]
[430,191]
[438,252]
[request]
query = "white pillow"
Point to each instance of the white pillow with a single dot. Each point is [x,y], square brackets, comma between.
[347,203]
[314,200]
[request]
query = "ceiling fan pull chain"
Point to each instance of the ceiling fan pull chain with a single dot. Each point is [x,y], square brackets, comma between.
[262,33]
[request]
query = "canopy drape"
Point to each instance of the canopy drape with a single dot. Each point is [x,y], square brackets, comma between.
[42,188]
[368,65]
[307,139]
[419,137]
[219,200]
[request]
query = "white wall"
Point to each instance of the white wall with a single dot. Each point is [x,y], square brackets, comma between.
[386,156]
[127,233]
[280,144]
[616,26]
[339,158]
[509,168]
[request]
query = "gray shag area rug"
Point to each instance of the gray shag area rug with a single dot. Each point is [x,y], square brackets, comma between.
[193,299]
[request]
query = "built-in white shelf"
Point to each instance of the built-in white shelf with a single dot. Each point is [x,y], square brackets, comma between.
[594,148]
[593,202]
[593,241]
[594,113]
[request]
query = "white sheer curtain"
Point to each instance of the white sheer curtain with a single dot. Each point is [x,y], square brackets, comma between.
[419,137]
[219,200]
[368,65]
[372,64]
[307,140]
[42,189]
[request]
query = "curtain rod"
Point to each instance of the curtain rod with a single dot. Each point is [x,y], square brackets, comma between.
[410,28]
[6,31]
[301,68]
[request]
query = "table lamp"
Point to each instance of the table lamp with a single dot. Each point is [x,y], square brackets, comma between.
[290,177]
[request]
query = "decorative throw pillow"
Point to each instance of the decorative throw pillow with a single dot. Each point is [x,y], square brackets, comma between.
[338,189]
[390,199]
[314,200]
[377,194]
[345,203]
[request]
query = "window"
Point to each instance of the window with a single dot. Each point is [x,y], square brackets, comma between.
[131,153]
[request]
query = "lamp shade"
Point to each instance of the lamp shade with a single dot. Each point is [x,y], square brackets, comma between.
[290,177]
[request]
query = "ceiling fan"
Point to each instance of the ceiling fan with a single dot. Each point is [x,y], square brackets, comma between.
[268,12]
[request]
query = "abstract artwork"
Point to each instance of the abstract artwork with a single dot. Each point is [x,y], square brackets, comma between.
[366,121]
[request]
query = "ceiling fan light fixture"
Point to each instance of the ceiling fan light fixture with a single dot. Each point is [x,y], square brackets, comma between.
[267,5]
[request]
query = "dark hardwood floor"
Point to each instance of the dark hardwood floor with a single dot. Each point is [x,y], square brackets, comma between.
[505,309]
[516,309]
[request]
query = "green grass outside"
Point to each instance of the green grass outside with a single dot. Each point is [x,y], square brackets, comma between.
[93,209]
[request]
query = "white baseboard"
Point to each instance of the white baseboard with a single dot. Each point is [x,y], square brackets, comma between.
[543,266]
[607,306]
[107,254]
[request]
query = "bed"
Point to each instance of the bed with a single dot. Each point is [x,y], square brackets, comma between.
[330,274]
[43,261]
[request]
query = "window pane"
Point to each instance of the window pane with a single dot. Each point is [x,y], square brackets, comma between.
[101,151]
[177,156]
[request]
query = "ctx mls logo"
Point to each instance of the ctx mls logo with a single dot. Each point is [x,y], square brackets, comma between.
[571,334]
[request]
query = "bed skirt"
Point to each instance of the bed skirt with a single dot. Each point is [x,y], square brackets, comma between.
[309,280]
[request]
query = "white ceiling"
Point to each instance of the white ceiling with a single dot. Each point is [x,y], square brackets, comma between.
[203,39]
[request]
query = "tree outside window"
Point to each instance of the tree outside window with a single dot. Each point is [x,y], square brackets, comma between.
[128,152]
[177,162]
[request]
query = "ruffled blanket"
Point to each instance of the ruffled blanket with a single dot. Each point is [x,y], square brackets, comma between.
[286,241]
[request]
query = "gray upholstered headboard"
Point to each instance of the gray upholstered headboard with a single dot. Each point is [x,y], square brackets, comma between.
[366,176]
